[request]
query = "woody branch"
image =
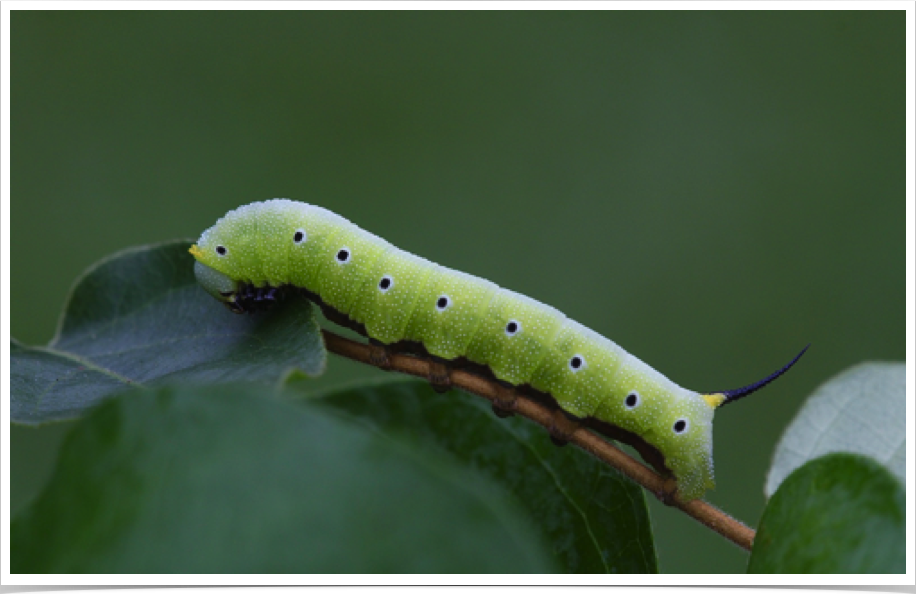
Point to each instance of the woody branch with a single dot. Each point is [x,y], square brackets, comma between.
[584,438]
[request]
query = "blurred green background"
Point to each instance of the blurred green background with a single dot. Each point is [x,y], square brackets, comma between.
[711,190]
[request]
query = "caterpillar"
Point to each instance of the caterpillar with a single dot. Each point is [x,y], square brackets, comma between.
[403,302]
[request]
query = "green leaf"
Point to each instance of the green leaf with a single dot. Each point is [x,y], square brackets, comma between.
[42,380]
[596,519]
[862,411]
[841,513]
[139,318]
[220,479]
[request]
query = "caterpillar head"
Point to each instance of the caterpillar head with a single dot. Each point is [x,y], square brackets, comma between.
[216,268]
[224,255]
[217,284]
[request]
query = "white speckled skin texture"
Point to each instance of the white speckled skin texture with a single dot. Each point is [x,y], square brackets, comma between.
[399,296]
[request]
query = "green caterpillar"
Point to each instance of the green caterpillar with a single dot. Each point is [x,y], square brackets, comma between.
[403,302]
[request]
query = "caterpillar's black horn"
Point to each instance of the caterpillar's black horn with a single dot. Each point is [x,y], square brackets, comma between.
[732,395]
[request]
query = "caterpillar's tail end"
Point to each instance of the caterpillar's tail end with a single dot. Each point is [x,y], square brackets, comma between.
[717,399]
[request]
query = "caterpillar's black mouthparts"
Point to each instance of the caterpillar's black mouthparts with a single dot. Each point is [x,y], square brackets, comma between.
[732,395]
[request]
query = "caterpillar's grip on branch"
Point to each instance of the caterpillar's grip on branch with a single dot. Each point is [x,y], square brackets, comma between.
[401,301]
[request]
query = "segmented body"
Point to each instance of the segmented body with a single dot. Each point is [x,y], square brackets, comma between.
[398,296]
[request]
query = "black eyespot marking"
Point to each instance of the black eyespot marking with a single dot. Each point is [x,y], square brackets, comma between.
[221,250]
[577,363]
[443,302]
[343,256]
[513,328]
[680,426]
[385,284]
[632,400]
[299,237]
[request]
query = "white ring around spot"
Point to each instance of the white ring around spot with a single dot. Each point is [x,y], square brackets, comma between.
[686,426]
[581,366]
[390,283]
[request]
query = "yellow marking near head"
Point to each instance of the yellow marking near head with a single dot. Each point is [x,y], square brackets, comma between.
[714,400]
[196,252]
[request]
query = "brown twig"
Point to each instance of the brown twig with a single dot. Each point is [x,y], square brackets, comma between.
[595,445]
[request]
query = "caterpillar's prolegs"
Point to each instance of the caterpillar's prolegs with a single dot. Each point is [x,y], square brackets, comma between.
[562,427]
[439,374]
[668,492]
[378,355]
[506,400]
